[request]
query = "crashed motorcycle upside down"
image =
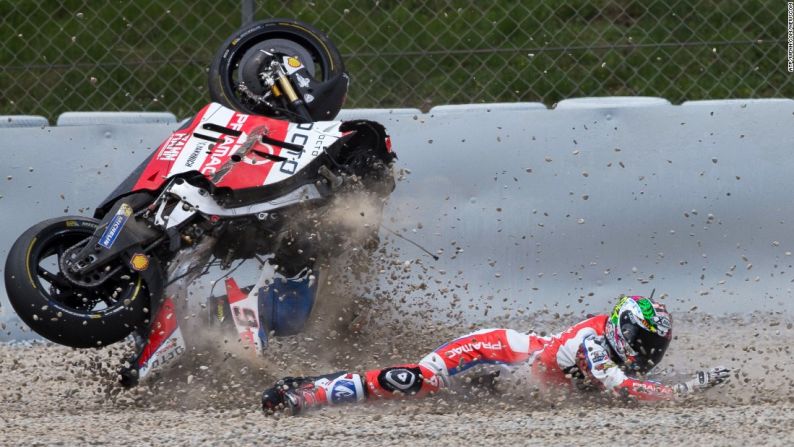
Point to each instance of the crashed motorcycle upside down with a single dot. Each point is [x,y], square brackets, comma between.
[252,175]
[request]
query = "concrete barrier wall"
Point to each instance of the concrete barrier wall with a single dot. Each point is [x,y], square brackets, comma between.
[561,208]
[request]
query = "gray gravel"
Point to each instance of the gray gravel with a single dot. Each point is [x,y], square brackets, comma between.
[54,395]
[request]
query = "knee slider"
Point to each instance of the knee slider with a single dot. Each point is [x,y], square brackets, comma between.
[407,380]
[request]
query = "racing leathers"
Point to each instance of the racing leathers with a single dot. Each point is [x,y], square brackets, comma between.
[578,357]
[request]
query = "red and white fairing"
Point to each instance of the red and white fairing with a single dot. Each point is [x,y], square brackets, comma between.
[245,311]
[165,343]
[191,149]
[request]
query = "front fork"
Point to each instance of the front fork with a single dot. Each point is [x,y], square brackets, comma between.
[293,97]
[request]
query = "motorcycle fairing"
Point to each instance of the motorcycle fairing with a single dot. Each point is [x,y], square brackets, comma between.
[245,314]
[165,343]
[236,150]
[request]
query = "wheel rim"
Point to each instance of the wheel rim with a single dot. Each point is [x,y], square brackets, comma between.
[113,295]
[253,60]
[245,56]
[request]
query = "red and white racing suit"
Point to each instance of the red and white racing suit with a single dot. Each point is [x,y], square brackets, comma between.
[577,356]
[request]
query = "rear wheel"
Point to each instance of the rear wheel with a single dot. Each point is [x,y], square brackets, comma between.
[56,308]
[246,53]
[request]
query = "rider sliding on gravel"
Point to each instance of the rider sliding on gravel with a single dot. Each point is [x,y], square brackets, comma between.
[605,352]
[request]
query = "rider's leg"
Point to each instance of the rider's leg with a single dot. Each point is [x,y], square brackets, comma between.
[299,394]
[491,349]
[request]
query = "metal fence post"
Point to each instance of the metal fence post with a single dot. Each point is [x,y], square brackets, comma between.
[247,11]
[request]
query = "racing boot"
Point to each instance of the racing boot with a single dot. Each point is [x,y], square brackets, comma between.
[305,397]
[298,394]
[275,398]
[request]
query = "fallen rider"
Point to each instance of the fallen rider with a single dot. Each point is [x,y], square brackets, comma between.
[604,352]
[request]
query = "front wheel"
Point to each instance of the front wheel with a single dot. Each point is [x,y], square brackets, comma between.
[56,308]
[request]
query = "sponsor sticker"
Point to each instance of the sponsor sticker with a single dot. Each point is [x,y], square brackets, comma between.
[598,356]
[139,262]
[171,149]
[605,366]
[401,379]
[293,62]
[343,391]
[474,347]
[303,82]
[115,226]
[170,350]
[193,157]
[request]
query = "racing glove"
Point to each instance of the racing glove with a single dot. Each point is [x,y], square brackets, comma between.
[704,379]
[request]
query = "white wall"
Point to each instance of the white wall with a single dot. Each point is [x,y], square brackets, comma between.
[530,237]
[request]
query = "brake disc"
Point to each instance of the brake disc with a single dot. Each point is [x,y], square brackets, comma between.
[259,56]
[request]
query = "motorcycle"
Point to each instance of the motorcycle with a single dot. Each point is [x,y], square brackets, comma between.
[235,182]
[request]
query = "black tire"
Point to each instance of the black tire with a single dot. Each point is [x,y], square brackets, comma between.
[325,57]
[60,311]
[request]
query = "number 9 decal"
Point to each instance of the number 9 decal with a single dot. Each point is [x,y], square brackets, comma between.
[244,316]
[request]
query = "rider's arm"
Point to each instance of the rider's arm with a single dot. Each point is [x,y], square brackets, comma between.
[596,365]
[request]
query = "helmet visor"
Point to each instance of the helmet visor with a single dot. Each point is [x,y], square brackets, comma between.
[649,347]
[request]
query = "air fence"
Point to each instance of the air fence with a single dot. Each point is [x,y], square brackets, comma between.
[529,208]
